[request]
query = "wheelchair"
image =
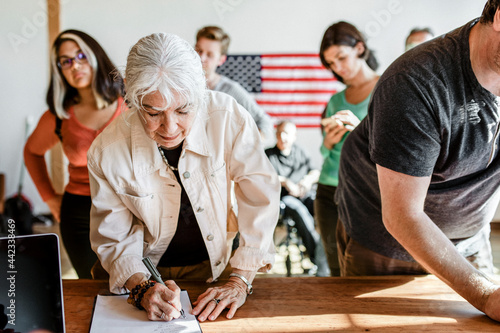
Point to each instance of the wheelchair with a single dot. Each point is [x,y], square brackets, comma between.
[290,243]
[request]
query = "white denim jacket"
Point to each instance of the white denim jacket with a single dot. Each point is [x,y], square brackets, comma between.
[136,198]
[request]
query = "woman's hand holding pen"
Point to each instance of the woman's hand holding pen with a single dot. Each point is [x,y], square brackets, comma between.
[163,302]
[232,295]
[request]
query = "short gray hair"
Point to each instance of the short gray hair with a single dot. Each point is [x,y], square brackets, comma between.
[166,63]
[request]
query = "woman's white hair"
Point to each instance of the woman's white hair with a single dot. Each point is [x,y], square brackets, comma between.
[168,64]
[58,84]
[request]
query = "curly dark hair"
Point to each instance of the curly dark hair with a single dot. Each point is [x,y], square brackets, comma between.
[489,11]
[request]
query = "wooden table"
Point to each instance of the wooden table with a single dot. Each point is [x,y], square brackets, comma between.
[312,304]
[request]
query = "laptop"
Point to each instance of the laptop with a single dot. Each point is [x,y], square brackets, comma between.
[31,296]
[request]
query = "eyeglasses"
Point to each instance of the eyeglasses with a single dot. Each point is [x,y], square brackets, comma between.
[65,62]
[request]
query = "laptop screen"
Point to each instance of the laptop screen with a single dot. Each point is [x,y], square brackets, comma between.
[30,284]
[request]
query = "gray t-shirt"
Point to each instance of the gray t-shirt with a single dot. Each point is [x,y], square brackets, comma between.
[429,116]
[234,89]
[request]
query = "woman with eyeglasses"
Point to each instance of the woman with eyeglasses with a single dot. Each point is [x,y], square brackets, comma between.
[160,180]
[84,96]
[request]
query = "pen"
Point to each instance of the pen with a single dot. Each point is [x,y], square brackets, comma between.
[156,275]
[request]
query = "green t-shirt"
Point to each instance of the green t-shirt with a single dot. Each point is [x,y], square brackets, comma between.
[331,158]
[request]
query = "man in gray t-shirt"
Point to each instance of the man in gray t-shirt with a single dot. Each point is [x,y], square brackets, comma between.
[212,44]
[419,177]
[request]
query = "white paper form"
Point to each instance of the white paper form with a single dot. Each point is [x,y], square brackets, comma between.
[112,314]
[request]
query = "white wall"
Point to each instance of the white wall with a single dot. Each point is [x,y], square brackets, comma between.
[256,26]
[23,83]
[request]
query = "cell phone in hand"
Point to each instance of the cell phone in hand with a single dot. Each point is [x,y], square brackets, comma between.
[327,121]
[335,122]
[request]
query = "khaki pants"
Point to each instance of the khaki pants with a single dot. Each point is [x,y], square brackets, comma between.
[357,260]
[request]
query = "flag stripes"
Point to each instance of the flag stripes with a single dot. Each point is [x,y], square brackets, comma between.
[293,87]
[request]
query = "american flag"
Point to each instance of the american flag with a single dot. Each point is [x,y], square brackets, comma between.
[293,87]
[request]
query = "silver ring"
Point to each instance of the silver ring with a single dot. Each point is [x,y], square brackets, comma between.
[216,300]
[162,315]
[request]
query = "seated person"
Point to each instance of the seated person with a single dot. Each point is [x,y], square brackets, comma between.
[297,178]
[212,44]
[159,180]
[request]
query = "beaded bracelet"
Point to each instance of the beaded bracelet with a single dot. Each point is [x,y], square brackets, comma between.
[136,294]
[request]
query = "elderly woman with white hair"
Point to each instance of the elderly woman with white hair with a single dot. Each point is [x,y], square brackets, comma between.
[160,179]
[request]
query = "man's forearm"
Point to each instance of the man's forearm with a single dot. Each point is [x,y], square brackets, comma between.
[434,251]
